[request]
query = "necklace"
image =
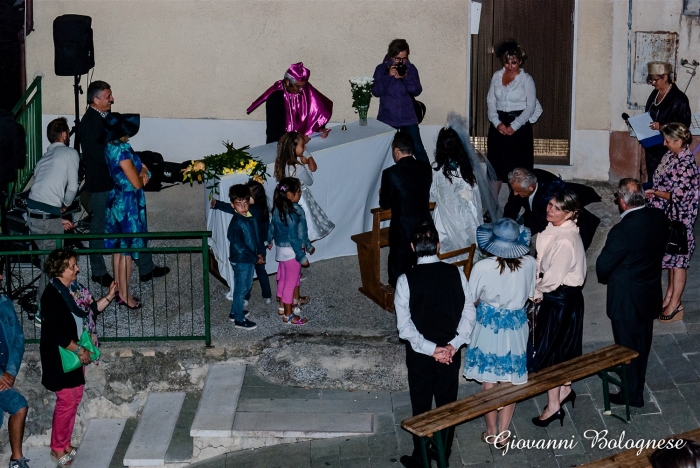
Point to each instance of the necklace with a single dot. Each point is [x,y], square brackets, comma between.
[658,101]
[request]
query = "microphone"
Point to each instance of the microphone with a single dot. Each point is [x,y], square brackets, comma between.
[625,116]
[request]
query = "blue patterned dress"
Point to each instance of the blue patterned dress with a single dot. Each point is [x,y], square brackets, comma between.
[497,350]
[126,206]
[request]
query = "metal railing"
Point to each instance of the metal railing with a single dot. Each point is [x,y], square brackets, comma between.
[27,113]
[175,307]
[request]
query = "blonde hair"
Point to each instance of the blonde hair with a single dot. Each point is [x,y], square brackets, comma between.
[677,131]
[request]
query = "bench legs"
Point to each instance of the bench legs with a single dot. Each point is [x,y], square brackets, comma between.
[437,443]
[621,370]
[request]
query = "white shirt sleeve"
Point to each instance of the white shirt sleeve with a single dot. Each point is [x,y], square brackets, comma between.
[531,98]
[491,109]
[407,329]
[466,323]
[303,174]
[557,261]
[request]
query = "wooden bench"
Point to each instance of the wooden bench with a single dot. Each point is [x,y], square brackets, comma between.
[630,459]
[432,425]
[369,245]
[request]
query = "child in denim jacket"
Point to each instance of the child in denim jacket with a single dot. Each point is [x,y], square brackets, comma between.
[289,232]
[245,250]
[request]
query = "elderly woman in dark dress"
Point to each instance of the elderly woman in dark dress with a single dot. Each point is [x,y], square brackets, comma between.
[66,308]
[675,190]
[666,104]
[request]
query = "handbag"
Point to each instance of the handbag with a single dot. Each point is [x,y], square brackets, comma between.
[677,239]
[419,109]
[70,360]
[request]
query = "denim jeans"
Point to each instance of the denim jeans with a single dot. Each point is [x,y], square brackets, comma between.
[98,204]
[242,281]
[264,282]
[418,149]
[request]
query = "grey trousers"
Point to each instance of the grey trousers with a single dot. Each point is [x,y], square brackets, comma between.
[98,203]
[44,226]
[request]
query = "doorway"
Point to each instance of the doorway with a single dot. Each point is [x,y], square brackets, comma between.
[545,30]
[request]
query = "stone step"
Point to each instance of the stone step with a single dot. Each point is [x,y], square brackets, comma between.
[155,429]
[311,425]
[39,457]
[219,400]
[99,443]
[271,405]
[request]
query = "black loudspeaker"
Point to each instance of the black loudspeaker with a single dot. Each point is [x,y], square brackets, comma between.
[74,53]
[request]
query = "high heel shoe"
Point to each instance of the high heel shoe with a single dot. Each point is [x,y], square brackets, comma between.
[571,397]
[546,422]
[674,316]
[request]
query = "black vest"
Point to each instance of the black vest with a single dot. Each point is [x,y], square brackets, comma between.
[436,300]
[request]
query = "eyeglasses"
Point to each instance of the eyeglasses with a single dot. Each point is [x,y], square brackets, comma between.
[651,80]
[400,59]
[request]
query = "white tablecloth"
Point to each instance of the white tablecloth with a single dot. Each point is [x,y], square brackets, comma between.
[346,186]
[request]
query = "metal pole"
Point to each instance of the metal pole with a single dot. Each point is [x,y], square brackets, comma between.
[205,291]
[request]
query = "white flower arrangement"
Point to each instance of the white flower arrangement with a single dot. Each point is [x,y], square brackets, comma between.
[361,87]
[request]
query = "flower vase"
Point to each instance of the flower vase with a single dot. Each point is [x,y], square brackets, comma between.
[362,112]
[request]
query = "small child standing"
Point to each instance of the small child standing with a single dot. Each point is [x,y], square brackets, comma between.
[290,235]
[261,213]
[291,162]
[245,250]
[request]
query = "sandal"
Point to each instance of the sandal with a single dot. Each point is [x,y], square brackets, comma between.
[675,316]
[280,311]
[303,300]
[294,320]
[64,461]
[73,452]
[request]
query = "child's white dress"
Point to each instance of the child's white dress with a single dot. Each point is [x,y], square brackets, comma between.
[318,223]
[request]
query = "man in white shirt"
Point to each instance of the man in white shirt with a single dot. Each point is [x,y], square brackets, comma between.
[55,187]
[435,314]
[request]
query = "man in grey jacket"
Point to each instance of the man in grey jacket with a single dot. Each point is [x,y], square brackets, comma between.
[55,187]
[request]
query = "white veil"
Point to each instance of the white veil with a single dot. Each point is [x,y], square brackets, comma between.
[485,175]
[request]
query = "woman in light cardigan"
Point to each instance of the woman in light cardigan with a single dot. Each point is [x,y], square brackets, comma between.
[561,272]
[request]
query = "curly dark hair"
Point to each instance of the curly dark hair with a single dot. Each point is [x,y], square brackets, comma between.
[451,157]
[57,262]
[508,49]
[286,154]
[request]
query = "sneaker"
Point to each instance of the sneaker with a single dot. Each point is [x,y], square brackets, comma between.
[37,321]
[231,317]
[267,300]
[245,324]
[21,463]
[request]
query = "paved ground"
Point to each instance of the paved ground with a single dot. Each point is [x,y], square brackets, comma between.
[351,344]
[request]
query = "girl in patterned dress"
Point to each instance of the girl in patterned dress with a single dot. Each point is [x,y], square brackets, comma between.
[501,285]
[675,190]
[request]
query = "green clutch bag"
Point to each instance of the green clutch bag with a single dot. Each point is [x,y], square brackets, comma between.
[70,360]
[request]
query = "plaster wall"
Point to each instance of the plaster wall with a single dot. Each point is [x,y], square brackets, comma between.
[209,59]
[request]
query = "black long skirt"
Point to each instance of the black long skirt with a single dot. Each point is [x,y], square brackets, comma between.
[506,152]
[558,331]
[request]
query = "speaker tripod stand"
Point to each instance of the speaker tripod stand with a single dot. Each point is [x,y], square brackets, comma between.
[77,91]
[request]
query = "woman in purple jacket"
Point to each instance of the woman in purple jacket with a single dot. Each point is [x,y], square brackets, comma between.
[396,82]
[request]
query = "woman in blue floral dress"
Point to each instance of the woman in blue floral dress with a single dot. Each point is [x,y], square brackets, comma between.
[126,203]
[675,190]
[501,284]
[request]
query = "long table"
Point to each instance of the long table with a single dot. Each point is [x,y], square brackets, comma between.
[346,186]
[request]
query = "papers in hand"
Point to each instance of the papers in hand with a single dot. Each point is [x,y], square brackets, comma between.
[646,136]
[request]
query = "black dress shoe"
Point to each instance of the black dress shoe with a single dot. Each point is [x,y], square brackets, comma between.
[409,462]
[156,272]
[104,280]
[619,399]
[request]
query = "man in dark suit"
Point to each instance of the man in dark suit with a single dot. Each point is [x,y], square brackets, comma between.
[531,191]
[630,264]
[98,181]
[405,190]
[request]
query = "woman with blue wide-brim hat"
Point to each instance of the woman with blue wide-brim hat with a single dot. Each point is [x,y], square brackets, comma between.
[501,284]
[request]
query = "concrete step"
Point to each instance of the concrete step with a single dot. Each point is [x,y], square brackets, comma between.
[151,440]
[219,400]
[311,425]
[292,405]
[99,443]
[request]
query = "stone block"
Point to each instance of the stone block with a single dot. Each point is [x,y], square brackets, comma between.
[99,443]
[311,425]
[219,400]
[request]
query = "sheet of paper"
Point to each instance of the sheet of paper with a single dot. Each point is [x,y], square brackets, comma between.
[640,124]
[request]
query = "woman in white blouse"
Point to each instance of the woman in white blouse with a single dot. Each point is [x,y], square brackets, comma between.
[561,272]
[512,109]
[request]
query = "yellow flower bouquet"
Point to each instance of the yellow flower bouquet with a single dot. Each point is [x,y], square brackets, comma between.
[233,161]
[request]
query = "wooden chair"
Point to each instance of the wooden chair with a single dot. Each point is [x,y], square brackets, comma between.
[467,263]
